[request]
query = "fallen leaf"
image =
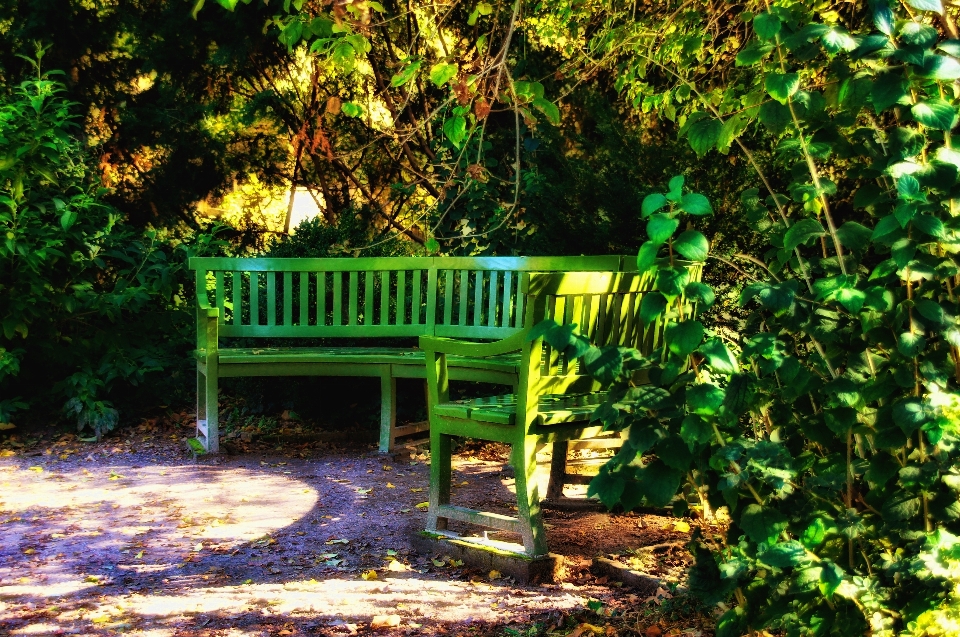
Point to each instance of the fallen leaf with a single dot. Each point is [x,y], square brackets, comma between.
[437,562]
[495,574]
[387,468]
[338,541]
[416,489]
[385,621]
[404,510]
[198,547]
[29,551]
[390,485]
[139,556]
[369,575]
[363,491]
[585,629]
[7,453]
[653,631]
[37,469]
[681,526]
[397,566]
[423,505]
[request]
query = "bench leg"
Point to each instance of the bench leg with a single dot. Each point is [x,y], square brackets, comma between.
[388,412]
[524,460]
[208,416]
[440,476]
[558,470]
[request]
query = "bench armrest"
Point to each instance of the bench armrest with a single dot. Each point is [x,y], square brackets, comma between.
[466,348]
[207,326]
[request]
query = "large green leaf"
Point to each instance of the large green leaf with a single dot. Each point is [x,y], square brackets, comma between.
[684,338]
[699,293]
[607,487]
[695,204]
[651,306]
[927,5]
[672,280]
[652,203]
[775,116]
[695,430]
[935,113]
[647,255]
[719,356]
[838,39]
[854,236]
[889,89]
[407,74]
[782,86]
[455,128]
[674,453]
[659,483]
[704,399]
[766,25]
[753,53]
[784,554]
[442,73]
[801,232]
[692,245]
[704,134]
[661,227]
[911,344]
[762,525]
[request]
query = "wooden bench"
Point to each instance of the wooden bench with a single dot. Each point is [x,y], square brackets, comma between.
[256,302]
[553,400]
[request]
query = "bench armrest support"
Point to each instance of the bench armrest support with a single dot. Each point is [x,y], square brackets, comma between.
[465,348]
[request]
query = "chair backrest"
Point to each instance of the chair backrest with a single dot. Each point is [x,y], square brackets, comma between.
[461,297]
[604,306]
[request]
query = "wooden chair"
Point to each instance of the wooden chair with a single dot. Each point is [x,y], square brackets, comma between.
[554,399]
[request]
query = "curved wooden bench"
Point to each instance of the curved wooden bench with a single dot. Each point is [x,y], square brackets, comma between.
[242,302]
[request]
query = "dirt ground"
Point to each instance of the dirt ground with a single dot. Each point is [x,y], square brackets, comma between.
[133,535]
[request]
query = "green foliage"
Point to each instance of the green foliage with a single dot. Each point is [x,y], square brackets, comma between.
[87,305]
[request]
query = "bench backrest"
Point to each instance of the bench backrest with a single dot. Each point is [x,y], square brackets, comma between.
[604,307]
[458,297]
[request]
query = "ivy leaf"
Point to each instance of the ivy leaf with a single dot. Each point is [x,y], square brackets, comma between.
[607,487]
[705,399]
[659,483]
[927,5]
[695,204]
[647,256]
[775,116]
[704,134]
[692,245]
[719,356]
[802,231]
[700,293]
[672,280]
[455,128]
[604,364]
[782,86]
[784,554]
[652,203]
[683,338]
[762,524]
[652,304]
[888,90]
[442,73]
[854,236]
[767,26]
[935,113]
[661,227]
[910,345]
[407,74]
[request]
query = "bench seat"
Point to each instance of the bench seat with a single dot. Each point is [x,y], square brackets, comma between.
[553,409]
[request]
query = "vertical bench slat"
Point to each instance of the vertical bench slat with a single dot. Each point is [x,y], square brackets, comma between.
[492,301]
[321,298]
[615,325]
[415,299]
[574,314]
[368,298]
[352,303]
[235,282]
[254,298]
[401,297]
[448,298]
[477,297]
[337,298]
[271,298]
[288,298]
[521,302]
[219,300]
[505,320]
[304,279]
[385,297]
[431,317]
[464,284]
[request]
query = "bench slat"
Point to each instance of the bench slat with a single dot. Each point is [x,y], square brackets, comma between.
[254,298]
[464,284]
[288,298]
[401,297]
[505,319]
[492,301]
[385,298]
[477,297]
[352,303]
[368,298]
[219,296]
[337,298]
[321,298]
[415,306]
[304,279]
[271,298]
[431,317]
[447,297]
[235,281]
[521,306]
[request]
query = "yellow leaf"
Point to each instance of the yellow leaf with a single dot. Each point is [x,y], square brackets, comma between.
[37,469]
[423,505]
[102,619]
[7,453]
[139,555]
[464,483]
[5,426]
[390,485]
[93,579]
[396,566]
[29,551]
[387,467]
[416,490]
[198,547]
[385,621]
[369,575]
[495,575]
[681,526]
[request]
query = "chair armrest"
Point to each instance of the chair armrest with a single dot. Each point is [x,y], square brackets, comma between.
[466,348]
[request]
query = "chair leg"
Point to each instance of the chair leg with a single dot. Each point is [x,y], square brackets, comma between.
[440,475]
[208,421]
[558,470]
[388,412]
[524,461]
